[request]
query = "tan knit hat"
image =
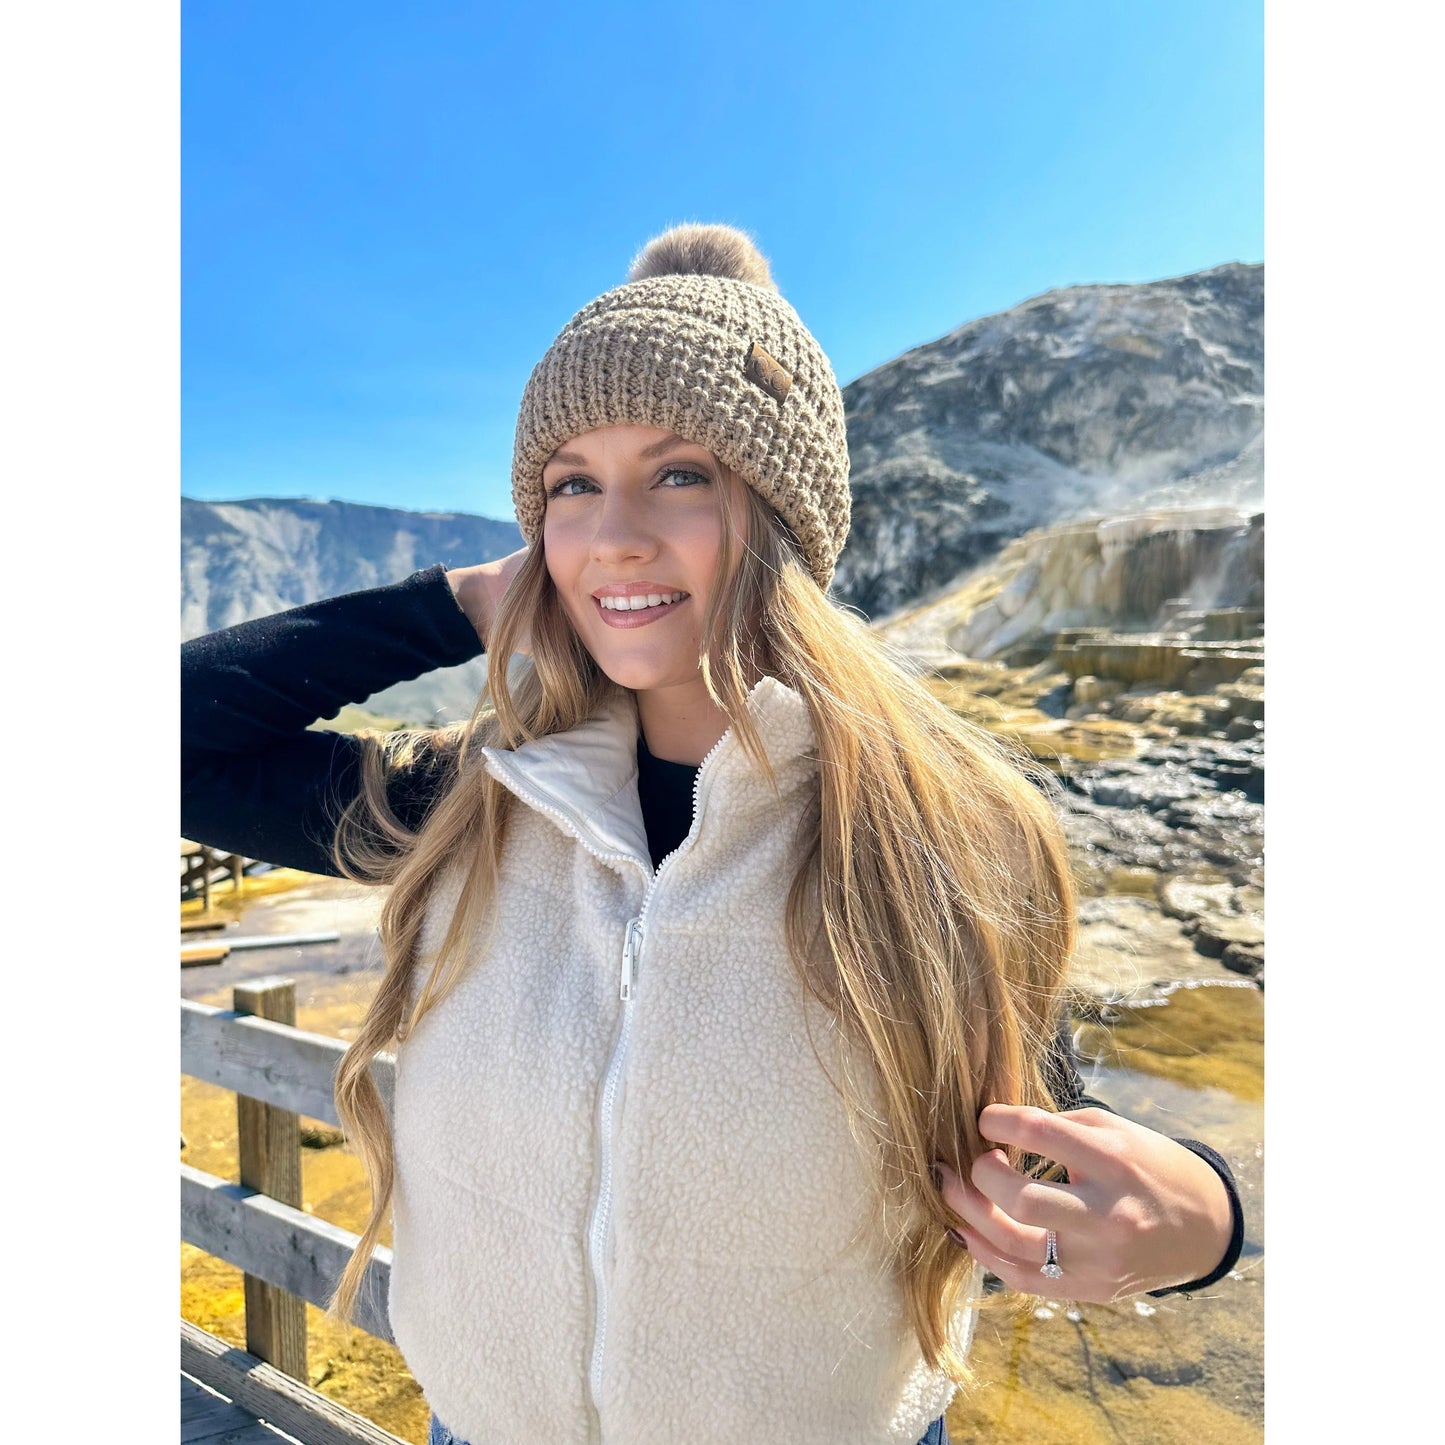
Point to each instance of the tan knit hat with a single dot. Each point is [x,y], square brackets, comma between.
[699,342]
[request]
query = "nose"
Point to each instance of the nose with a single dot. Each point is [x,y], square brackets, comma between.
[624,532]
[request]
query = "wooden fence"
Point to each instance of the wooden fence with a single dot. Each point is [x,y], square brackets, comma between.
[201,866]
[289,1258]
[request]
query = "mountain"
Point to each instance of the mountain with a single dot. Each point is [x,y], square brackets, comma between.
[245,559]
[1083,402]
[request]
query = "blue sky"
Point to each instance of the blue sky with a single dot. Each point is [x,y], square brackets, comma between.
[388,211]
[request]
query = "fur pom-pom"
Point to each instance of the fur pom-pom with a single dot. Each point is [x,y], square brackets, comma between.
[694,250]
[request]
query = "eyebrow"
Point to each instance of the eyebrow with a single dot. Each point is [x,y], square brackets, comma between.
[572,459]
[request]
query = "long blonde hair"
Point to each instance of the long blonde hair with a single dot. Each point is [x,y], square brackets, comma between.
[931,911]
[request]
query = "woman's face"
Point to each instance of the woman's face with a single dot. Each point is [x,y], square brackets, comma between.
[634,513]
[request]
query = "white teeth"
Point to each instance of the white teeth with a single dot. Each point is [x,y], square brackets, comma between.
[635,604]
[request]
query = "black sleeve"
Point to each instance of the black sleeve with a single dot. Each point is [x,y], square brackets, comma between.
[1067,1089]
[254,780]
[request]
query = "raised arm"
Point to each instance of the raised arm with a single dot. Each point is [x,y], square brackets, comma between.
[254,779]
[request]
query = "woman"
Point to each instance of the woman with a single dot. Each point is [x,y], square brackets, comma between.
[723,963]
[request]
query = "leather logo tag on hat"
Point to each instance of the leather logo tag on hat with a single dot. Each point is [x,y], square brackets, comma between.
[760,368]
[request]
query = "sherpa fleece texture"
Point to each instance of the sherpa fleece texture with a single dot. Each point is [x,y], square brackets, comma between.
[683,1153]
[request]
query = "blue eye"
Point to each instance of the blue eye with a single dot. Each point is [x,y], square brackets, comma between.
[559,489]
[694,479]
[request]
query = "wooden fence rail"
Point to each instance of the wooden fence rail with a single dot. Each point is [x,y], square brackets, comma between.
[287,1256]
[275,1063]
[280,1244]
[273,1396]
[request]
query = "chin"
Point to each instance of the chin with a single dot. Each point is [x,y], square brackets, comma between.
[640,676]
[643,669]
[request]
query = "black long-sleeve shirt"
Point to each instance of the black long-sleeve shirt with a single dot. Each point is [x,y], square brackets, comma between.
[256,780]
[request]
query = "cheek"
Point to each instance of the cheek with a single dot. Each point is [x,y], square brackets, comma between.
[559,553]
[561,567]
[703,548]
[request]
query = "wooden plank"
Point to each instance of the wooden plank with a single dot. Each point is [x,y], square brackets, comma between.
[197,924]
[269,1145]
[274,1397]
[203,1412]
[210,1419]
[284,1246]
[281,940]
[291,1068]
[194,955]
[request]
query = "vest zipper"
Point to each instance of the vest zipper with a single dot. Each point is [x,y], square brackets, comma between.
[599,1232]
[629,958]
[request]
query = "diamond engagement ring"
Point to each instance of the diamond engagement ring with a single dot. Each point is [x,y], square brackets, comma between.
[1050,1269]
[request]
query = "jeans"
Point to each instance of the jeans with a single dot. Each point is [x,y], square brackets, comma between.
[936,1434]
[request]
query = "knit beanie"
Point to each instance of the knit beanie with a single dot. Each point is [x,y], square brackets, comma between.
[699,342]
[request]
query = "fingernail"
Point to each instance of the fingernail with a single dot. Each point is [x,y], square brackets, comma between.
[958,1239]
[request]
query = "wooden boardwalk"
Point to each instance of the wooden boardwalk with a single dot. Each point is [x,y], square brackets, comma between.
[210,1419]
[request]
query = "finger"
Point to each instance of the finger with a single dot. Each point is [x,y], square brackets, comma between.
[1032,1202]
[1016,1274]
[984,1218]
[1080,1144]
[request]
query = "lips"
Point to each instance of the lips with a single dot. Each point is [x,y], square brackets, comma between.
[633,616]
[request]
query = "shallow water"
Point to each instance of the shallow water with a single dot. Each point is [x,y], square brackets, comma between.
[1156,1372]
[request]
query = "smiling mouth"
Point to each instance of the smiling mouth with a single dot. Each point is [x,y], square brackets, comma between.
[625,611]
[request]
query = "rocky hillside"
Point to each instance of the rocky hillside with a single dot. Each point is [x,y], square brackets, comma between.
[1087,401]
[1127,655]
[1145,576]
[245,559]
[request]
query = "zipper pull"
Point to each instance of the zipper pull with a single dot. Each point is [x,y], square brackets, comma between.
[630,949]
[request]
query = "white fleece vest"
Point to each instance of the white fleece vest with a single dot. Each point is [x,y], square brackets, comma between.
[639,1221]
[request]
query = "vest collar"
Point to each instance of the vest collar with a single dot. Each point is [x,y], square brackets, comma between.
[586,778]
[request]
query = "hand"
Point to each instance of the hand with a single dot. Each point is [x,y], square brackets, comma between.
[1139,1212]
[479,589]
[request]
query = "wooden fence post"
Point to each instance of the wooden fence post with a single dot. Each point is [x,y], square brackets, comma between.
[270,1149]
